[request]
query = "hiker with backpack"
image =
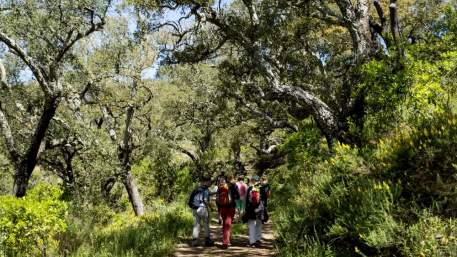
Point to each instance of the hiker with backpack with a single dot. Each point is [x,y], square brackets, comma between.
[227,194]
[264,196]
[199,203]
[220,180]
[254,214]
[242,190]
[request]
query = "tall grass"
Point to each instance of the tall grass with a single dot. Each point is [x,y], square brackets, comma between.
[154,234]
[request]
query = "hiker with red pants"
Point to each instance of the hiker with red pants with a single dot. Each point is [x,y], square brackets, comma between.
[227,194]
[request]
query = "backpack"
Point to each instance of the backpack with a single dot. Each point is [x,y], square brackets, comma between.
[224,197]
[254,197]
[196,198]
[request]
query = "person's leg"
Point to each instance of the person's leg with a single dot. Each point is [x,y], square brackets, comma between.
[243,206]
[196,228]
[239,207]
[227,217]
[223,214]
[258,230]
[206,220]
[252,230]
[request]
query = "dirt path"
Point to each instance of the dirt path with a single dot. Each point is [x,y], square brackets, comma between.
[238,248]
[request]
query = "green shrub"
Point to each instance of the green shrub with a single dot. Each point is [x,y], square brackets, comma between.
[431,236]
[28,225]
[339,202]
[154,234]
[81,222]
[423,159]
[369,202]
[161,178]
[308,248]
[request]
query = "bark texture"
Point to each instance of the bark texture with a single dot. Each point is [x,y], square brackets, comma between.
[124,155]
[394,27]
[27,164]
[134,194]
[357,21]
[2,74]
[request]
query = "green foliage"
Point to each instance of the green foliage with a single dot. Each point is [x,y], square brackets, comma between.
[338,201]
[308,248]
[422,87]
[392,195]
[431,84]
[161,177]
[370,202]
[154,234]
[431,236]
[303,146]
[384,87]
[239,229]
[6,172]
[51,21]
[423,160]
[28,225]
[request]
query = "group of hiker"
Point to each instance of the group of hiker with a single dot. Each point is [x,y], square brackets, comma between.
[247,202]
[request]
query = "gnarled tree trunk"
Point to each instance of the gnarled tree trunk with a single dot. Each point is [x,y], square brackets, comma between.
[134,194]
[124,156]
[25,167]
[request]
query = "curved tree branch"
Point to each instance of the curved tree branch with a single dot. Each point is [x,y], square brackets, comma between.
[187,152]
[34,67]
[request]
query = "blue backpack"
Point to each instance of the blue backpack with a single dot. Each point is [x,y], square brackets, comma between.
[196,198]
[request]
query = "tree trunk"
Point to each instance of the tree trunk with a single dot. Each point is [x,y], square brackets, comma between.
[124,157]
[106,187]
[236,149]
[134,195]
[394,27]
[69,175]
[27,165]
[358,24]
[2,74]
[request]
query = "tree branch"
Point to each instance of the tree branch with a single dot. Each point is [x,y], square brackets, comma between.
[109,124]
[5,129]
[394,27]
[252,12]
[380,12]
[274,123]
[186,152]
[34,67]
[3,81]
[68,44]
[322,113]
[329,15]
[127,130]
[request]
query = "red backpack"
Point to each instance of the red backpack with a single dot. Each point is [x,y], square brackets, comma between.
[254,197]
[223,196]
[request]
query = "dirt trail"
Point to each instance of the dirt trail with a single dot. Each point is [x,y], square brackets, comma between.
[238,248]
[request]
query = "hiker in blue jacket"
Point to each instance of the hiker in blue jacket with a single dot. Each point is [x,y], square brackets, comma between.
[199,203]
